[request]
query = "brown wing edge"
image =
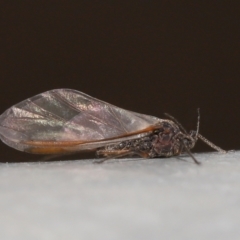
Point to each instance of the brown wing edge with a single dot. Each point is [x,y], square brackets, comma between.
[61,147]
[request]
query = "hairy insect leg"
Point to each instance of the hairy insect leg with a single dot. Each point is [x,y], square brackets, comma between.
[212,145]
[118,154]
[190,154]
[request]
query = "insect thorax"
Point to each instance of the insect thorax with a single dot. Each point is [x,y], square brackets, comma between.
[163,141]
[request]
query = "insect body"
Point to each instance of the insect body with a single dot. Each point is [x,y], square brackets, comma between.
[63,121]
[160,142]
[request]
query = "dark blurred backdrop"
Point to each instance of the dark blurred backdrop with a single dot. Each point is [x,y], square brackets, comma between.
[147,56]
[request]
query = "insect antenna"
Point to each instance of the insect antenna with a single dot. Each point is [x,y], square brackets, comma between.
[176,121]
[198,122]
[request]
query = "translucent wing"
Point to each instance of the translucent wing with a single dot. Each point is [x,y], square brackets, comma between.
[68,120]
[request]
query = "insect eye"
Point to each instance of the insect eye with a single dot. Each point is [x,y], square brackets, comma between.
[189,142]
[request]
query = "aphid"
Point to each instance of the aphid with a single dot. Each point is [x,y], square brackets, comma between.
[65,121]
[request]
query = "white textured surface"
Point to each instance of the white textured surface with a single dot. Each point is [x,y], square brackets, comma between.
[122,199]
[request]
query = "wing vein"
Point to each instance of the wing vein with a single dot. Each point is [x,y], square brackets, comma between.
[61,98]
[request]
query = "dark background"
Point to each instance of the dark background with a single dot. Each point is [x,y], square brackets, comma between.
[147,56]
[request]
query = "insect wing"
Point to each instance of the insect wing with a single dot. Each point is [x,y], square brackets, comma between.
[62,119]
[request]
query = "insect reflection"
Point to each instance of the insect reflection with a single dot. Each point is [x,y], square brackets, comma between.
[65,121]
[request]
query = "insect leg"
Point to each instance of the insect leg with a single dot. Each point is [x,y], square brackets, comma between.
[190,154]
[212,145]
[120,153]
